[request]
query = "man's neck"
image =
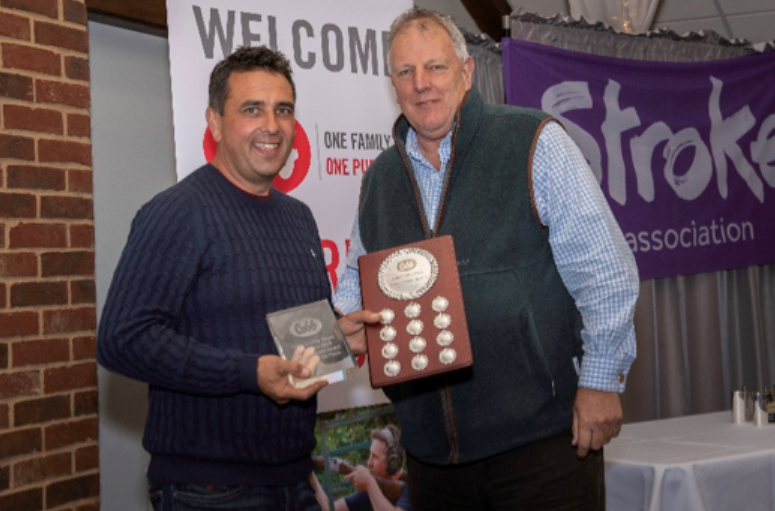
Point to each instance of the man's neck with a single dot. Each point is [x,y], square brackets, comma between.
[430,149]
[264,189]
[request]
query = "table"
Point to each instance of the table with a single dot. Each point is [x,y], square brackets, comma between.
[698,462]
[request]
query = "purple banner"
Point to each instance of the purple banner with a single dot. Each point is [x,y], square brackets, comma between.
[684,152]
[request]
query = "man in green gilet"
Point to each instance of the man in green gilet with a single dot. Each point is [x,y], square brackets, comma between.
[539,255]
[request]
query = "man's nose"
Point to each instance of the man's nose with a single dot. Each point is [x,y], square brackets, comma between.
[270,124]
[421,79]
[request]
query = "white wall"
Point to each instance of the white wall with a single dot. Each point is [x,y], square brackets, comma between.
[132,147]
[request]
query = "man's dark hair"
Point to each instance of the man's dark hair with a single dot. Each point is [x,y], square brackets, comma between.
[244,59]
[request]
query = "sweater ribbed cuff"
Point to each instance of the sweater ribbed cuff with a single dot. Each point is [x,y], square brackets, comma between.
[248,368]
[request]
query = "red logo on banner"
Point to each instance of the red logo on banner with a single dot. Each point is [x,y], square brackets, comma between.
[296,168]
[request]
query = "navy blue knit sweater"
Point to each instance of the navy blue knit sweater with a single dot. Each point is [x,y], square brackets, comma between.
[203,265]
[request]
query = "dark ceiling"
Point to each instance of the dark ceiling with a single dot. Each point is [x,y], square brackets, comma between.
[151,15]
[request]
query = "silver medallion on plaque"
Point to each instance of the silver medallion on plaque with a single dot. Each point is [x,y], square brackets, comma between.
[414,327]
[392,368]
[412,310]
[389,350]
[386,316]
[417,344]
[447,356]
[440,304]
[444,338]
[408,273]
[442,321]
[419,362]
[387,333]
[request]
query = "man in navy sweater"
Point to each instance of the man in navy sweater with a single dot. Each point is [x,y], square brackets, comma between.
[205,261]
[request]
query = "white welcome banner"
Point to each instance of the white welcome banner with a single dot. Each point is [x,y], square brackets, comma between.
[345,106]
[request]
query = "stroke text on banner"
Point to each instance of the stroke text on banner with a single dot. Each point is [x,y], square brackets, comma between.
[725,133]
[684,152]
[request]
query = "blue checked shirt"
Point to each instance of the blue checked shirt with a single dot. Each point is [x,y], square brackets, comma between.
[593,259]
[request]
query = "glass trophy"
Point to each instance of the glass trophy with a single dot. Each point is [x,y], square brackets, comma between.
[310,334]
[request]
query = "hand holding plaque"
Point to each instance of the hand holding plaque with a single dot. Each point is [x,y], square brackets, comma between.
[423,332]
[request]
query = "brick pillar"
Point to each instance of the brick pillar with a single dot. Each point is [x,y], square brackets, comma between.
[48,372]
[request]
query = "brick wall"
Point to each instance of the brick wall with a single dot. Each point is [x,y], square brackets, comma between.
[48,374]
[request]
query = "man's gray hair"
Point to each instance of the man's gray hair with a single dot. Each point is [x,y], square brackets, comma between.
[424,17]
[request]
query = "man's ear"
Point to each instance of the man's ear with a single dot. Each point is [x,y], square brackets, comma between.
[468,71]
[214,120]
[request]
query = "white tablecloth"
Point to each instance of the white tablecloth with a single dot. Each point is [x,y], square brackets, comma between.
[698,462]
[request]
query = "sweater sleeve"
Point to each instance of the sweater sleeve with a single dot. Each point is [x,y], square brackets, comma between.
[137,335]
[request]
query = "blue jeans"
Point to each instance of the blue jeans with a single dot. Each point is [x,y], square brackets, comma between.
[192,497]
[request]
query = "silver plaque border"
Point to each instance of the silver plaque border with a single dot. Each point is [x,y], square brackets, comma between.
[403,253]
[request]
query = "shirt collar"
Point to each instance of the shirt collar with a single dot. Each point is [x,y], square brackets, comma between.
[413,149]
